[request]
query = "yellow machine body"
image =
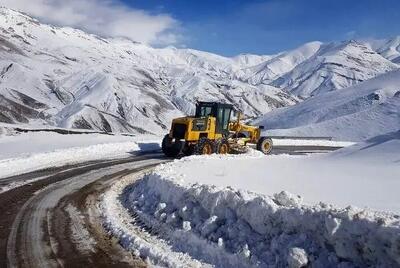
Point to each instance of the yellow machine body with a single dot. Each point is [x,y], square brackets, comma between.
[193,133]
[210,130]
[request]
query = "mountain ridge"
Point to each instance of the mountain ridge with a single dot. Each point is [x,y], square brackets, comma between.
[64,77]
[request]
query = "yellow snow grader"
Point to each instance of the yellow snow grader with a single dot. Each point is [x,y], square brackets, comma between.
[210,131]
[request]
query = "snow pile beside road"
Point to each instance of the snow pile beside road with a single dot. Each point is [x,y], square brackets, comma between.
[132,236]
[30,151]
[228,227]
[21,145]
[341,180]
[382,148]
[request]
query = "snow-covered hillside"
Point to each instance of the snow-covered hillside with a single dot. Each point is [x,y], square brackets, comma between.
[67,78]
[357,113]
[334,66]
[389,49]
[268,71]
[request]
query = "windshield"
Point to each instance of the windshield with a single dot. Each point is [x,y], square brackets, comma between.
[204,111]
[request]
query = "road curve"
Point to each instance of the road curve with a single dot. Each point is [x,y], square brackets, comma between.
[55,221]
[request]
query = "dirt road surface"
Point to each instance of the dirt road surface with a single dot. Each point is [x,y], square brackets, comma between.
[55,221]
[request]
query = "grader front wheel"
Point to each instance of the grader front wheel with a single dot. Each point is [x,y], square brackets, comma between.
[222,146]
[171,149]
[264,145]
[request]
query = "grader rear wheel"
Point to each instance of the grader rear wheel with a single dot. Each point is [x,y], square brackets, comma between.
[204,146]
[222,146]
[264,145]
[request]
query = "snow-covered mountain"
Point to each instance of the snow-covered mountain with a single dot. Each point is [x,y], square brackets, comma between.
[366,110]
[268,71]
[389,49]
[334,66]
[65,77]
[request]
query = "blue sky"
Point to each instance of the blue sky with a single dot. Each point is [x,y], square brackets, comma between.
[231,27]
[226,27]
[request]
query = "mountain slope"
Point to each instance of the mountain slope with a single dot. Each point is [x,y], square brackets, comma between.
[360,112]
[266,72]
[65,77]
[334,66]
[390,49]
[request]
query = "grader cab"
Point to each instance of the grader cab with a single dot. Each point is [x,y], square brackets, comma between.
[211,130]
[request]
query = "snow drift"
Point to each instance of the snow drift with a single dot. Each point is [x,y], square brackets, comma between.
[382,148]
[226,227]
[22,153]
[357,113]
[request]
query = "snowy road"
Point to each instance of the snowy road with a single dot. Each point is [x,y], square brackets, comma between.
[55,221]
[51,205]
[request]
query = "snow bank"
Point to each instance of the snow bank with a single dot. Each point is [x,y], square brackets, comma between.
[31,151]
[341,180]
[382,148]
[235,228]
[18,145]
[133,236]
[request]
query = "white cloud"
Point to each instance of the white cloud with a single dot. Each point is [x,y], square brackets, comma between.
[104,17]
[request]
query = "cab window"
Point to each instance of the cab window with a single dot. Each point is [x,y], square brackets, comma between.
[205,111]
[223,119]
[227,115]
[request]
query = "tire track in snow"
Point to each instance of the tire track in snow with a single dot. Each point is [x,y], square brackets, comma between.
[28,210]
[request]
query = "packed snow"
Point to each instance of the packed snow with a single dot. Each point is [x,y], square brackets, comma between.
[80,234]
[342,181]
[255,210]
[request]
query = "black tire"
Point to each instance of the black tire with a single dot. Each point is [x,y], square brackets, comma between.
[188,150]
[222,146]
[204,146]
[265,145]
[169,148]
